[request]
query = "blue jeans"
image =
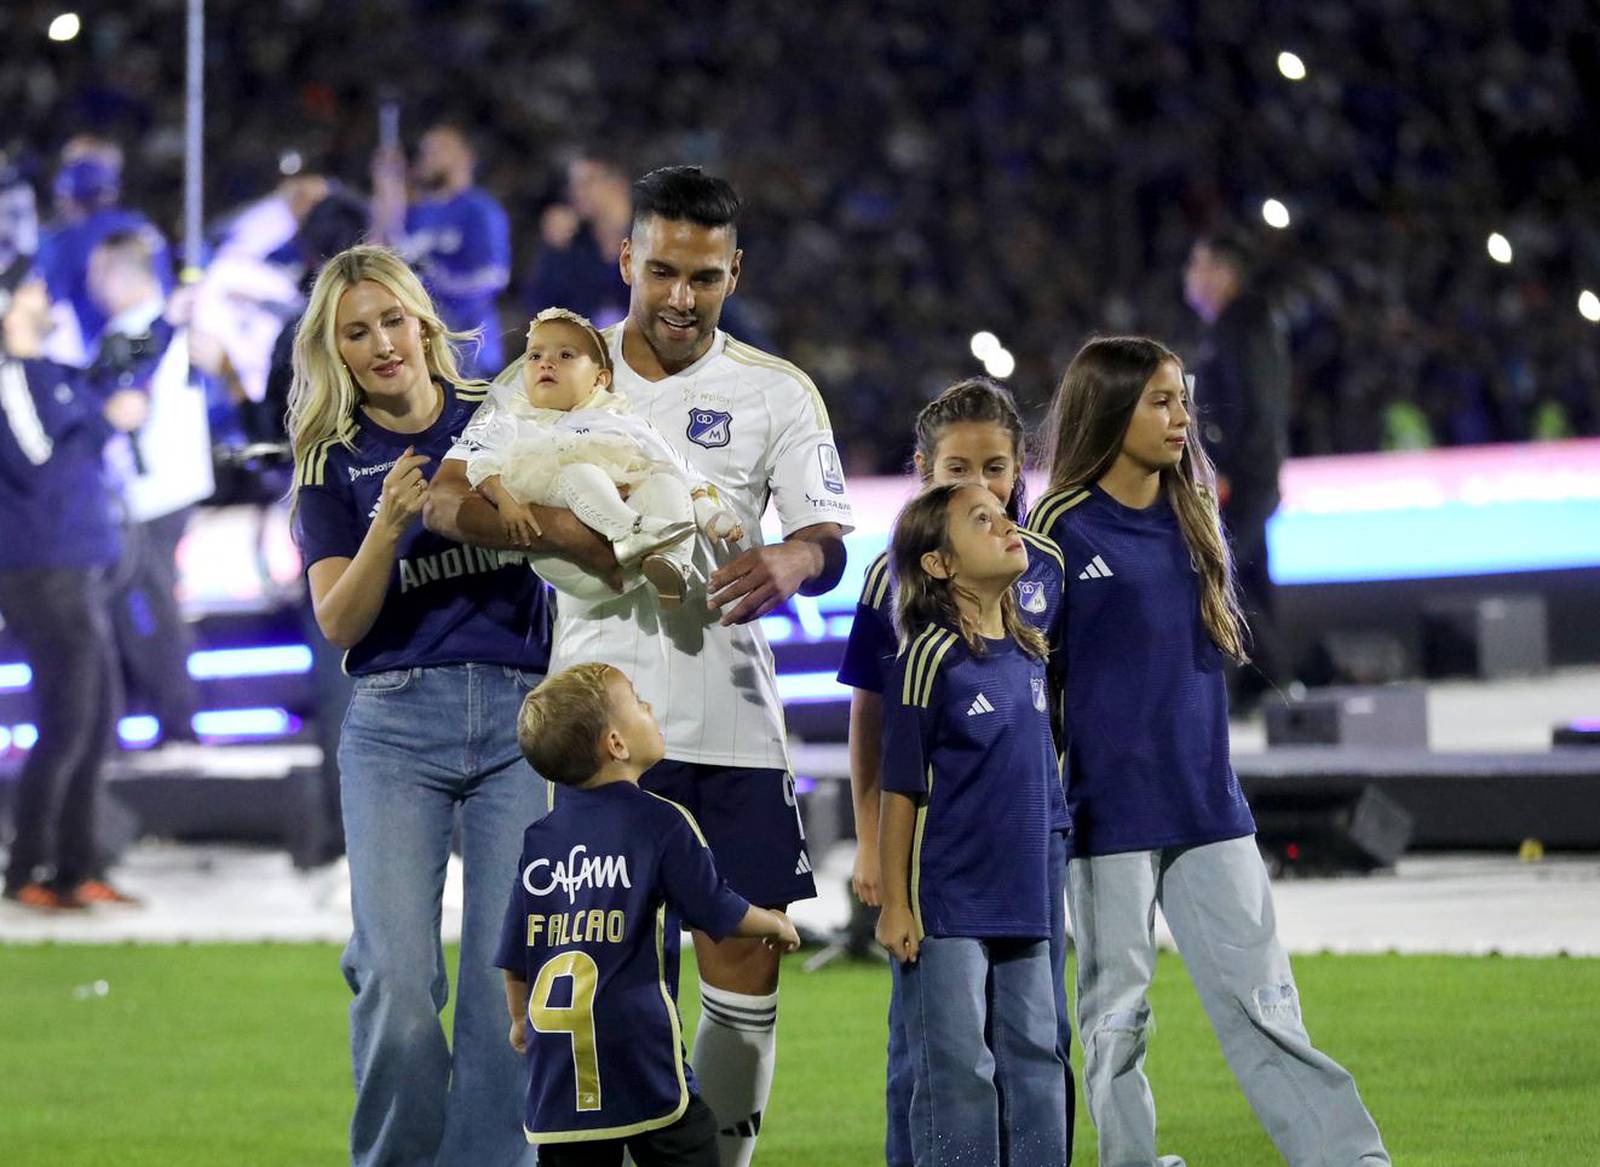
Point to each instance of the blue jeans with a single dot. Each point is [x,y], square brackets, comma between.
[897,1094]
[980,1025]
[418,744]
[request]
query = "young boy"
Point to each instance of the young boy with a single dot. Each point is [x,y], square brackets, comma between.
[590,943]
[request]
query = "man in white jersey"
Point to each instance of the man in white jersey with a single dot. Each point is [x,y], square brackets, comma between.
[755,427]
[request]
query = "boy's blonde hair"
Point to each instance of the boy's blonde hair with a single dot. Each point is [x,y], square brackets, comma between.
[562,721]
[602,354]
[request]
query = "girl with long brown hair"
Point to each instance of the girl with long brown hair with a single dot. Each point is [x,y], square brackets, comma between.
[964,835]
[970,433]
[1157,813]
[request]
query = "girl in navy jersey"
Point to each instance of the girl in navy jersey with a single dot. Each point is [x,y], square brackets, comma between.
[964,827]
[444,641]
[970,433]
[1157,813]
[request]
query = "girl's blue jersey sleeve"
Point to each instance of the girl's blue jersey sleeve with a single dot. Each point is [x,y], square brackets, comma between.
[870,651]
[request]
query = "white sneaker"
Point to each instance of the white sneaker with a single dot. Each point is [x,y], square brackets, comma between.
[668,577]
[650,534]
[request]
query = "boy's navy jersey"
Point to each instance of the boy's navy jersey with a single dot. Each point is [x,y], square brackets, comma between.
[462,248]
[447,603]
[605,880]
[1146,705]
[969,737]
[869,653]
[53,489]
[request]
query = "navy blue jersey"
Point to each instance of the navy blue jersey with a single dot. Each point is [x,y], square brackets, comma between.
[969,737]
[54,493]
[869,653]
[447,603]
[605,881]
[1145,707]
[462,249]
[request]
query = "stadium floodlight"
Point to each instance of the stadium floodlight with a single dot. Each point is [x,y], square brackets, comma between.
[65,27]
[1291,66]
[1499,248]
[1000,364]
[1275,214]
[1589,306]
[984,345]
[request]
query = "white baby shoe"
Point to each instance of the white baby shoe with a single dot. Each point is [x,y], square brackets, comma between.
[670,578]
[648,535]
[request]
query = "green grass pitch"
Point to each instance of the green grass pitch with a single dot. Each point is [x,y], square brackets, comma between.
[237,1054]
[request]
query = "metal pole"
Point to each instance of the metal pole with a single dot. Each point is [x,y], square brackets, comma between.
[194,143]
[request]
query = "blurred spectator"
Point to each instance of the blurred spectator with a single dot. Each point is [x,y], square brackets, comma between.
[339,220]
[917,173]
[88,189]
[456,235]
[19,215]
[164,468]
[60,539]
[579,243]
[1241,399]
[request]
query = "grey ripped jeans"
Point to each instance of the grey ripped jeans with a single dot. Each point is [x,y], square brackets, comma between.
[1218,903]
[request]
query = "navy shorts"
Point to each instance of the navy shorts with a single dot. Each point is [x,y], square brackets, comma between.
[750,820]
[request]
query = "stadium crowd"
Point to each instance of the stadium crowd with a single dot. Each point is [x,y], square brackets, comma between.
[917,173]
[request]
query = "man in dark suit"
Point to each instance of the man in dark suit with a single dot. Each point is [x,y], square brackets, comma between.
[1242,390]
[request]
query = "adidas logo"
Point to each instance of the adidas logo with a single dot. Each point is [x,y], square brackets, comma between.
[804,866]
[1097,569]
[979,705]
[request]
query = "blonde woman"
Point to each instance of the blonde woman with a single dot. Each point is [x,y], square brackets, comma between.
[1150,616]
[443,641]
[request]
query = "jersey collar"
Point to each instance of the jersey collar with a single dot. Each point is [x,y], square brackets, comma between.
[719,341]
[441,427]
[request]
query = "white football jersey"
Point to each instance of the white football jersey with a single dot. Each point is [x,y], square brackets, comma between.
[754,427]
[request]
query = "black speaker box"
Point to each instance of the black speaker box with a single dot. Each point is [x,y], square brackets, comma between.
[1331,833]
[1486,636]
[1391,716]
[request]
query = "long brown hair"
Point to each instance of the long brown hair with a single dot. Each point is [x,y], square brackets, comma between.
[974,399]
[1083,437]
[922,599]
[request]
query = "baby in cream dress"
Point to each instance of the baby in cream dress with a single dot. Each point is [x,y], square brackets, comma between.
[568,441]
